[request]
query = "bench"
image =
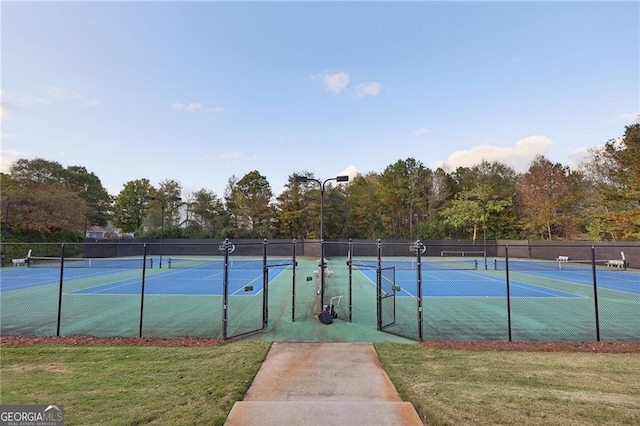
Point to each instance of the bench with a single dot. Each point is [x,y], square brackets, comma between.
[617,263]
[327,273]
[21,262]
[563,259]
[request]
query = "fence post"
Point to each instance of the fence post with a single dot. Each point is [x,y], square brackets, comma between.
[265,286]
[379,285]
[349,258]
[144,270]
[419,250]
[506,263]
[293,287]
[62,249]
[595,290]
[225,287]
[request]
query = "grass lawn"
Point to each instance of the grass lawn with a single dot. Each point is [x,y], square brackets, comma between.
[455,387]
[126,385]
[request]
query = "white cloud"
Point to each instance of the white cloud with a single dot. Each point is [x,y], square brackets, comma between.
[195,106]
[421,131]
[335,83]
[627,118]
[4,113]
[215,109]
[350,171]
[578,156]
[518,156]
[368,89]
[9,157]
[43,96]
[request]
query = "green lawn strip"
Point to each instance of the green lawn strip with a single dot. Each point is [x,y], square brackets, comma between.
[515,388]
[118,385]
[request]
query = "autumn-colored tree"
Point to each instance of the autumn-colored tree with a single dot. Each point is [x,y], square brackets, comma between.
[545,190]
[364,207]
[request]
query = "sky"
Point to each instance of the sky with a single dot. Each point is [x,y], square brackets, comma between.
[198,92]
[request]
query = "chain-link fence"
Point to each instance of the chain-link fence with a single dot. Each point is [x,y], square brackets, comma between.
[506,290]
[546,292]
[218,289]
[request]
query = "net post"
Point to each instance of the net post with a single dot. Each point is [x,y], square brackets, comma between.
[144,269]
[62,251]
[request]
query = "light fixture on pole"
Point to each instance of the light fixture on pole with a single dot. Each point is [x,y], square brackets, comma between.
[321,184]
[163,203]
[6,225]
[483,203]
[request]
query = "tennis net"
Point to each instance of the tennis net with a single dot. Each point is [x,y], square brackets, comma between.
[427,264]
[461,253]
[217,263]
[84,262]
[555,265]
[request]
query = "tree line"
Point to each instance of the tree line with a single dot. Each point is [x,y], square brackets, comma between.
[42,200]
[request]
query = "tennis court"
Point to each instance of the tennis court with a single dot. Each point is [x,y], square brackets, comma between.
[457,299]
[105,297]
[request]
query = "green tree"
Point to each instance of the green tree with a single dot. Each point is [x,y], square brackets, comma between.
[130,206]
[88,186]
[37,172]
[365,218]
[291,207]
[206,216]
[164,204]
[249,201]
[405,187]
[615,171]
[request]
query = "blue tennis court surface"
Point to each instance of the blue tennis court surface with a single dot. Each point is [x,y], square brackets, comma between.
[23,278]
[462,284]
[188,282]
[627,281]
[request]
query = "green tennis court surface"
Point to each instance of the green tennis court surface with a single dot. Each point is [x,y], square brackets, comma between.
[457,303]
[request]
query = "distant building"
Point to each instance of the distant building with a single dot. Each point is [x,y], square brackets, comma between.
[109,232]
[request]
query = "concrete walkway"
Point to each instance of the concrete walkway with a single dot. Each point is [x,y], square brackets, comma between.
[322,384]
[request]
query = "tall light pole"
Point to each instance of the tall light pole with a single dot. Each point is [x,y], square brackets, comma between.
[566,223]
[6,226]
[86,217]
[163,203]
[321,184]
[484,202]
